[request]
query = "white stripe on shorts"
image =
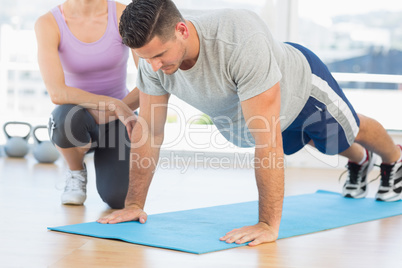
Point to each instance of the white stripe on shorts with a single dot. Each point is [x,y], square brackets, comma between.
[336,106]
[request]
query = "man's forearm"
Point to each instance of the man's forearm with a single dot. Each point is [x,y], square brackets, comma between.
[132,99]
[143,162]
[269,172]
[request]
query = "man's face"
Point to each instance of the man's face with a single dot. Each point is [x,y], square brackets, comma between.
[167,56]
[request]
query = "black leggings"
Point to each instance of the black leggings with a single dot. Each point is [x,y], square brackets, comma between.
[73,126]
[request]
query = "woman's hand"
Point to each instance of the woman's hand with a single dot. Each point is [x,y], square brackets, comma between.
[124,114]
[102,117]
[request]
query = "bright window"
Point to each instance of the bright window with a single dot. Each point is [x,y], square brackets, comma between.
[360,41]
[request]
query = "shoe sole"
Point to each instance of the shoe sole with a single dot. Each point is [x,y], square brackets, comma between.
[72,203]
[358,196]
[391,199]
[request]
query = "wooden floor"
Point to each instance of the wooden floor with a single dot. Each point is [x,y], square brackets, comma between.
[30,202]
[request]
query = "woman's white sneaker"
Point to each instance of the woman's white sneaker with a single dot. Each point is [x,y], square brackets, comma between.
[75,191]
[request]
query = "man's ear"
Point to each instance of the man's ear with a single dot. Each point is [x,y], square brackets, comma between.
[182,30]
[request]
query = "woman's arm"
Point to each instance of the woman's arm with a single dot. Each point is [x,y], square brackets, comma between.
[48,38]
[103,108]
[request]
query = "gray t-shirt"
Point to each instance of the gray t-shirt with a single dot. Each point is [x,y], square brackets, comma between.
[238,59]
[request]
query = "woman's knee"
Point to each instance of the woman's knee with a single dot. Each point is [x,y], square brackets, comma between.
[69,126]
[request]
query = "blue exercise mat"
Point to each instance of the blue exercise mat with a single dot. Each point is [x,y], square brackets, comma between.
[198,230]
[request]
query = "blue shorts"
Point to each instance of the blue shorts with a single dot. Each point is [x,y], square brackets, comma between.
[328,118]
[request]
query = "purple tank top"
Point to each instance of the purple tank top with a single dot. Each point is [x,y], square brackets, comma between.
[99,67]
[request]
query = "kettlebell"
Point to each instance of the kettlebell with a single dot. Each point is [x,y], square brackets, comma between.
[44,151]
[16,146]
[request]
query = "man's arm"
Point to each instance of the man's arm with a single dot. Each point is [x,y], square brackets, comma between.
[147,137]
[262,116]
[133,99]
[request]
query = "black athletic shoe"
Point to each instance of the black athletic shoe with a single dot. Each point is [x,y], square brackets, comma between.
[356,186]
[391,182]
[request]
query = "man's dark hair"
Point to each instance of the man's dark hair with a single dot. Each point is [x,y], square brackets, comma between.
[142,20]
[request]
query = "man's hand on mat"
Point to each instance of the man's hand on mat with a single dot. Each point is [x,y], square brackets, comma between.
[257,234]
[126,214]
